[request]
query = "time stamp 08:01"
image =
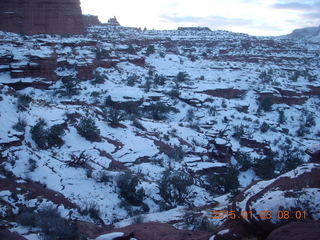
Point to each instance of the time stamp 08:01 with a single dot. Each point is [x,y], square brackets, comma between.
[264,215]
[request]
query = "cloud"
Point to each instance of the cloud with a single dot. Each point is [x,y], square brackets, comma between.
[214,21]
[311,5]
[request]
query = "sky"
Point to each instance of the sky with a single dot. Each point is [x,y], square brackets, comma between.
[255,17]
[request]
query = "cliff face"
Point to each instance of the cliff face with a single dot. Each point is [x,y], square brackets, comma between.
[41,16]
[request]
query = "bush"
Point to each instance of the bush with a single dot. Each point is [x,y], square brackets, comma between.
[70,86]
[190,115]
[224,183]
[128,186]
[130,108]
[239,131]
[32,164]
[244,160]
[113,116]
[87,128]
[160,80]
[131,50]
[182,77]
[265,77]
[282,118]
[20,126]
[23,102]
[98,78]
[173,187]
[79,161]
[132,79]
[265,104]
[158,110]
[264,127]
[47,138]
[101,53]
[50,222]
[150,50]
[176,153]
[265,167]
[92,210]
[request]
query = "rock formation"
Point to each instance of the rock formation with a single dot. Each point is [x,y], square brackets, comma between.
[41,16]
[113,22]
[89,20]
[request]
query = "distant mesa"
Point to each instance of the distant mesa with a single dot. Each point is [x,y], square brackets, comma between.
[113,22]
[91,20]
[194,29]
[41,16]
[310,33]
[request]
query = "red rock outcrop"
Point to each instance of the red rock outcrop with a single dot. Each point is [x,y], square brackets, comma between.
[90,20]
[159,231]
[41,16]
[297,231]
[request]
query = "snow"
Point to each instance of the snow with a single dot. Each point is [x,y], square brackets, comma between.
[110,236]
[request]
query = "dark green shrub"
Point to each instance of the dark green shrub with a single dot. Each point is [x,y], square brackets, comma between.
[88,129]
[23,102]
[20,126]
[113,116]
[54,135]
[265,103]
[158,110]
[128,186]
[264,127]
[265,77]
[92,211]
[150,50]
[131,50]
[39,134]
[176,153]
[70,86]
[132,79]
[239,131]
[224,183]
[98,78]
[182,77]
[32,164]
[159,80]
[265,167]
[173,188]
[282,118]
[244,160]
[101,53]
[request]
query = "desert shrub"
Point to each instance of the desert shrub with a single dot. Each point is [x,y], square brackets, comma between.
[54,135]
[147,85]
[92,211]
[282,117]
[244,160]
[137,123]
[190,115]
[174,93]
[159,110]
[53,225]
[130,108]
[49,220]
[150,50]
[130,49]
[159,80]
[290,158]
[174,187]
[265,77]
[99,78]
[39,134]
[101,53]
[113,116]
[104,177]
[70,86]
[182,77]
[128,187]
[310,120]
[88,129]
[23,102]
[176,153]
[32,164]
[264,127]
[239,131]
[20,126]
[79,160]
[192,57]
[295,76]
[265,103]
[302,130]
[224,183]
[265,167]
[132,79]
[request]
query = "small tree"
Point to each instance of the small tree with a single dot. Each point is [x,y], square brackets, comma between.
[173,187]
[265,167]
[150,50]
[87,128]
[182,77]
[23,102]
[70,86]
[128,186]
[113,116]
[39,134]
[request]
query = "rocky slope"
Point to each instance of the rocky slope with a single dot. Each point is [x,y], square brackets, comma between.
[44,16]
[122,126]
[307,34]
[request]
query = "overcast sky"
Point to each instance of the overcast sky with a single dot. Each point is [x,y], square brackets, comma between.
[256,17]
